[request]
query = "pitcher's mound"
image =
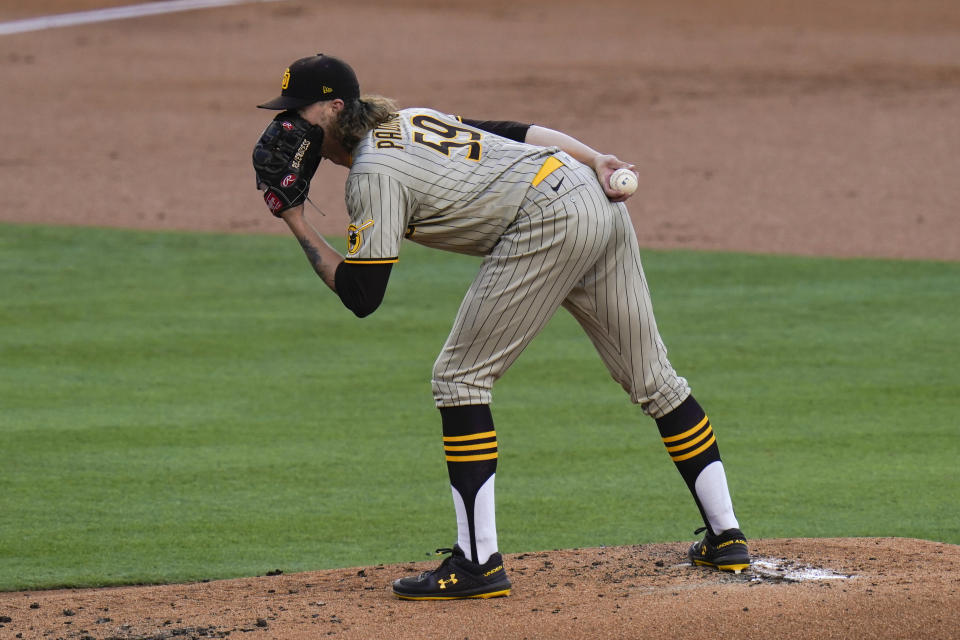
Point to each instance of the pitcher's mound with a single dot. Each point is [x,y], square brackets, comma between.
[803,588]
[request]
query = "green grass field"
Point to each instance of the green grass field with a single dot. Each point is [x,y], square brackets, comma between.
[178,407]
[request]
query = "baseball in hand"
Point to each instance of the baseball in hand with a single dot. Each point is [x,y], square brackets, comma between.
[624,181]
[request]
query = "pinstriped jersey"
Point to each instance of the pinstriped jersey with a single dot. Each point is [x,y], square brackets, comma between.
[427,176]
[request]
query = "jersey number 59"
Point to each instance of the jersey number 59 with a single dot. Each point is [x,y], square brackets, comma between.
[442,137]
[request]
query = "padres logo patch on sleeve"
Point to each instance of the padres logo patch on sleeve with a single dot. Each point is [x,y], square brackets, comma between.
[355,237]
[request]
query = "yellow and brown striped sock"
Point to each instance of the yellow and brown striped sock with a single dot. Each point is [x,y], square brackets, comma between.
[692,444]
[470,446]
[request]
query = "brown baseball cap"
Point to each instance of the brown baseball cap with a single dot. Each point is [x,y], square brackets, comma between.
[314,79]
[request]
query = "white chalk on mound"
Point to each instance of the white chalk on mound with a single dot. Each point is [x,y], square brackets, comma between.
[113,13]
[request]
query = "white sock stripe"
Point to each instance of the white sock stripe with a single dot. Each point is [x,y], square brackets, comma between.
[463,526]
[714,497]
[485,521]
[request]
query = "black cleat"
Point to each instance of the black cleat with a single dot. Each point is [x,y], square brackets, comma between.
[727,551]
[456,578]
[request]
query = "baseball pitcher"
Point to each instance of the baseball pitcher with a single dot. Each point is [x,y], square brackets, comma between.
[537,206]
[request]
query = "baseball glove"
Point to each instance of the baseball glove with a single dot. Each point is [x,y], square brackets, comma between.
[285,158]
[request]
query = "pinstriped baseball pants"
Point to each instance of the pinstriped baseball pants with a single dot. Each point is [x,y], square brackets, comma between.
[569,246]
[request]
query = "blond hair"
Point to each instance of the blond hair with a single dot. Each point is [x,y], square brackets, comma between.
[360,116]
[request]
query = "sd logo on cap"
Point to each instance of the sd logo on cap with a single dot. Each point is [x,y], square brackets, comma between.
[313,79]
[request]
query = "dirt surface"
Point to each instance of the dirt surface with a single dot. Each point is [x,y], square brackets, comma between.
[816,128]
[811,128]
[875,588]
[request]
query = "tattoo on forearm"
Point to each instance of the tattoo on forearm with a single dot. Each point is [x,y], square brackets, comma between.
[313,254]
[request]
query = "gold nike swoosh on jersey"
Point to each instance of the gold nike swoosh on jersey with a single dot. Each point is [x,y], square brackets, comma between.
[550,165]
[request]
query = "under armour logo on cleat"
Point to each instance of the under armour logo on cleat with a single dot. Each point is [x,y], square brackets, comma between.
[729,542]
[443,583]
